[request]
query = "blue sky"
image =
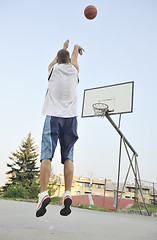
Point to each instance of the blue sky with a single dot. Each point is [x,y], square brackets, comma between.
[120,46]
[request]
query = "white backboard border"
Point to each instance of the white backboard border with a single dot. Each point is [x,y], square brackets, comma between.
[109,88]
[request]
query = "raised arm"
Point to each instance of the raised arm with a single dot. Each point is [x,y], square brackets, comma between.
[65,46]
[77,50]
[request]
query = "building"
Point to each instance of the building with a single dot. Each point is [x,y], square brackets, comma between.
[96,186]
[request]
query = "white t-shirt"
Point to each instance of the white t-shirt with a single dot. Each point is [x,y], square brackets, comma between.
[61,99]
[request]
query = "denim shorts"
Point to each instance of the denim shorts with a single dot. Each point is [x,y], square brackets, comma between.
[64,129]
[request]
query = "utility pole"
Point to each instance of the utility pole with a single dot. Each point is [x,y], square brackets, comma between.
[104,193]
[91,180]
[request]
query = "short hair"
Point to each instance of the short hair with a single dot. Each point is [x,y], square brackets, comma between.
[63,56]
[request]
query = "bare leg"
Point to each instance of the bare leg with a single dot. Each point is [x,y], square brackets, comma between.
[45,171]
[44,198]
[68,177]
[68,174]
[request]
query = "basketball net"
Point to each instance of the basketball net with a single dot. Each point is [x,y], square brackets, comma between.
[100,109]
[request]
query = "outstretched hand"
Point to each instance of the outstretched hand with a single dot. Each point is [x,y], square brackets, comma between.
[80,49]
[66,44]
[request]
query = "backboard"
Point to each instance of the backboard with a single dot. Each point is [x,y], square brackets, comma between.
[118,97]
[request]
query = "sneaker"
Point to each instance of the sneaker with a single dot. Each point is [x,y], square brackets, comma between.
[44,200]
[66,207]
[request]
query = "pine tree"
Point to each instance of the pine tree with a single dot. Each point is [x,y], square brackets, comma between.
[23,166]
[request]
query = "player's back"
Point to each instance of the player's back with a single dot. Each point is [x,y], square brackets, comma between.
[61,98]
[63,82]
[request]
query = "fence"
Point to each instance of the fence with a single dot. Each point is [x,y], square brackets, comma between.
[152,186]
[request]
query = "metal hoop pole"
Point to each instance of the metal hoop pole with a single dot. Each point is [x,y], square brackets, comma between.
[138,182]
[126,143]
[125,181]
[120,116]
[136,188]
[140,188]
[119,164]
[120,133]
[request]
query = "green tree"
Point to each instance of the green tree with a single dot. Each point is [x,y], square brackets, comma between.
[23,166]
[34,188]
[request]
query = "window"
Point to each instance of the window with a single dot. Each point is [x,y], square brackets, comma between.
[134,198]
[145,191]
[127,197]
[87,184]
[130,189]
[99,186]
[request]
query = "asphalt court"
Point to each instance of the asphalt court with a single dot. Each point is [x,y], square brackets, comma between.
[18,221]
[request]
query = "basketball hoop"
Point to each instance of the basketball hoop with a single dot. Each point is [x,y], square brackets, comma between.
[100,109]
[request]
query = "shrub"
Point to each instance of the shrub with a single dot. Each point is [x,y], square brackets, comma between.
[16,191]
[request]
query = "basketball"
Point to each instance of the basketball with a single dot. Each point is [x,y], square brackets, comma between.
[90,12]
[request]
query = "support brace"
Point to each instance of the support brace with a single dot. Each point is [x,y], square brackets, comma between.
[135,171]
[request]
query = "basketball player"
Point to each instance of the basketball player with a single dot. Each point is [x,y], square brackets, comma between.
[60,123]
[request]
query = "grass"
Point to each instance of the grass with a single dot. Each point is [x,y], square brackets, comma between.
[91,207]
[150,207]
